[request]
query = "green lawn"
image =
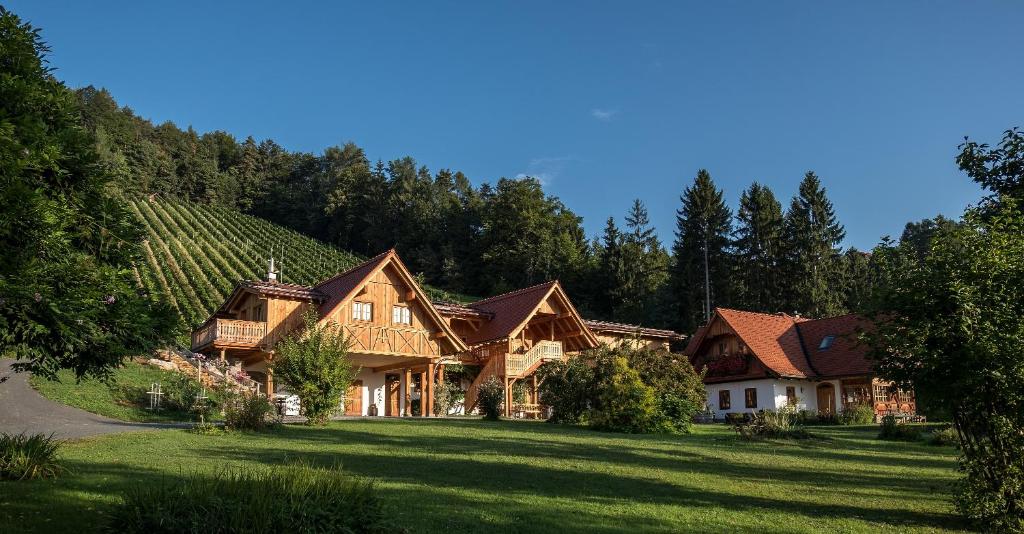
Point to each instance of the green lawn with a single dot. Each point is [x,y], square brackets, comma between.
[123,398]
[468,475]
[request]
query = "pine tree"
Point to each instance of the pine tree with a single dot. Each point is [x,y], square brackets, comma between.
[701,277]
[813,270]
[644,269]
[758,249]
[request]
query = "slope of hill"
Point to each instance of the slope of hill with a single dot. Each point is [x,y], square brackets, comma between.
[196,253]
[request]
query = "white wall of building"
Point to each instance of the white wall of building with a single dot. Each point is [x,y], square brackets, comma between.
[771,395]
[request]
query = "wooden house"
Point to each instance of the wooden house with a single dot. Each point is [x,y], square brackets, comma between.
[756,361]
[401,341]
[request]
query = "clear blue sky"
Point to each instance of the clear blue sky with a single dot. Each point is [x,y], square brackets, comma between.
[604,102]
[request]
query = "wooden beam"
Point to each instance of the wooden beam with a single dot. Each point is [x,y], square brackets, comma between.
[400,365]
[430,390]
[410,295]
[408,392]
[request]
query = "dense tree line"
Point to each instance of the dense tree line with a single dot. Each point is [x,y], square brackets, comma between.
[482,240]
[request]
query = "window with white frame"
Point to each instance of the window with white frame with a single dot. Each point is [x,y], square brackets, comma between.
[362,311]
[400,315]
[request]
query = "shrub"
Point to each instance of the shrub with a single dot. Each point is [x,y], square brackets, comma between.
[829,418]
[567,388]
[293,498]
[893,430]
[25,457]
[734,418]
[446,396]
[677,411]
[248,411]
[624,402]
[313,362]
[206,429]
[944,436]
[858,415]
[783,423]
[491,398]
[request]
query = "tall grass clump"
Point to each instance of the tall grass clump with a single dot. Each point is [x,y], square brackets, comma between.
[291,498]
[782,423]
[491,398]
[25,457]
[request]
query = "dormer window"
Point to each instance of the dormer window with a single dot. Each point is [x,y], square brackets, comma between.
[401,315]
[362,311]
[826,342]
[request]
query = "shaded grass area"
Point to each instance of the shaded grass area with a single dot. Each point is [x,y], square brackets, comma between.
[472,476]
[124,397]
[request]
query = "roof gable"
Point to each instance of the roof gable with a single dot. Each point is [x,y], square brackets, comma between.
[341,288]
[512,311]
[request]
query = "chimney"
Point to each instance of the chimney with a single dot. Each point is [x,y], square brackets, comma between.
[271,273]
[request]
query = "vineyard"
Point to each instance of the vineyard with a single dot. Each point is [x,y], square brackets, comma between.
[196,253]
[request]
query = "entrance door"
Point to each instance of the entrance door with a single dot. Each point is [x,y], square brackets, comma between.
[354,399]
[392,385]
[826,399]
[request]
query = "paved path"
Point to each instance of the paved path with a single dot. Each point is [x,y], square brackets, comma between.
[23,409]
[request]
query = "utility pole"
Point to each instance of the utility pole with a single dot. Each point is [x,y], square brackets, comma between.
[707,280]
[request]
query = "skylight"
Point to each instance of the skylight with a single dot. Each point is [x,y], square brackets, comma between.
[826,342]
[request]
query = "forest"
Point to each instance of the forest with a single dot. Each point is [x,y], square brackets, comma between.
[487,239]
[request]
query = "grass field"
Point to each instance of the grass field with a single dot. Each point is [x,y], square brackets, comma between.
[469,475]
[123,398]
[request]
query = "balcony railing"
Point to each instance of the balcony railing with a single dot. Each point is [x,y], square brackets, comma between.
[519,364]
[230,332]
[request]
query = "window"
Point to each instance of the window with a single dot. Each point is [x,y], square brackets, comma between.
[791,395]
[400,315]
[724,402]
[750,397]
[826,342]
[362,311]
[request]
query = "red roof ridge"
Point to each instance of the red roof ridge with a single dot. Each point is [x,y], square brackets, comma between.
[512,293]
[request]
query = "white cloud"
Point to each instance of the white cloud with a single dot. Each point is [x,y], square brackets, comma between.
[545,169]
[603,115]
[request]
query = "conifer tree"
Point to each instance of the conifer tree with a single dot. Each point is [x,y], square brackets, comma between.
[700,277]
[758,250]
[644,269]
[813,269]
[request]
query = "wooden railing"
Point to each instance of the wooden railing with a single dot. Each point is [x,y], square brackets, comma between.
[518,365]
[230,332]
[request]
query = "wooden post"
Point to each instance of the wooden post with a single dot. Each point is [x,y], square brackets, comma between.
[429,389]
[270,383]
[408,391]
[223,355]
[423,393]
[508,397]
[440,380]
[536,396]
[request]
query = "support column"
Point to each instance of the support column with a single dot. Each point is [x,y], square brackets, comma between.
[508,398]
[408,391]
[270,383]
[223,356]
[536,394]
[423,393]
[428,388]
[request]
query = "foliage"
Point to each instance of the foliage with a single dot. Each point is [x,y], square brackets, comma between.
[205,428]
[951,326]
[491,398]
[945,436]
[519,392]
[447,396]
[249,411]
[894,430]
[124,395]
[772,424]
[624,403]
[68,299]
[678,387]
[292,498]
[702,253]
[26,457]
[812,262]
[566,387]
[861,414]
[758,250]
[1000,169]
[313,362]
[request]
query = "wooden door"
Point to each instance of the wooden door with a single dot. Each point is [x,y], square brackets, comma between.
[826,399]
[392,385]
[354,399]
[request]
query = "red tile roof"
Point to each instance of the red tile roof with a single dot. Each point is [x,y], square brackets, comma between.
[789,346]
[623,328]
[509,311]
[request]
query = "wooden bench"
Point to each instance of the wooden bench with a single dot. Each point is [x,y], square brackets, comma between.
[526,411]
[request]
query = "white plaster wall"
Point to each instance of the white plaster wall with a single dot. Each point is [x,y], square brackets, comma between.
[771,395]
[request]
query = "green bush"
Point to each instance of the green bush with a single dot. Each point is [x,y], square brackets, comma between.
[567,387]
[25,457]
[893,430]
[491,398]
[446,396]
[782,423]
[946,436]
[314,363]
[858,415]
[249,411]
[294,498]
[624,402]
[677,411]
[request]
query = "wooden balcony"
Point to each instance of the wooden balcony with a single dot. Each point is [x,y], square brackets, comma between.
[229,333]
[518,365]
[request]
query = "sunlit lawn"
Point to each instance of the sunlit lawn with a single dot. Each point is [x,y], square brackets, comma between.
[468,475]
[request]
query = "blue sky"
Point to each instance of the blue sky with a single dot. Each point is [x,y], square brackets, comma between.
[605,102]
